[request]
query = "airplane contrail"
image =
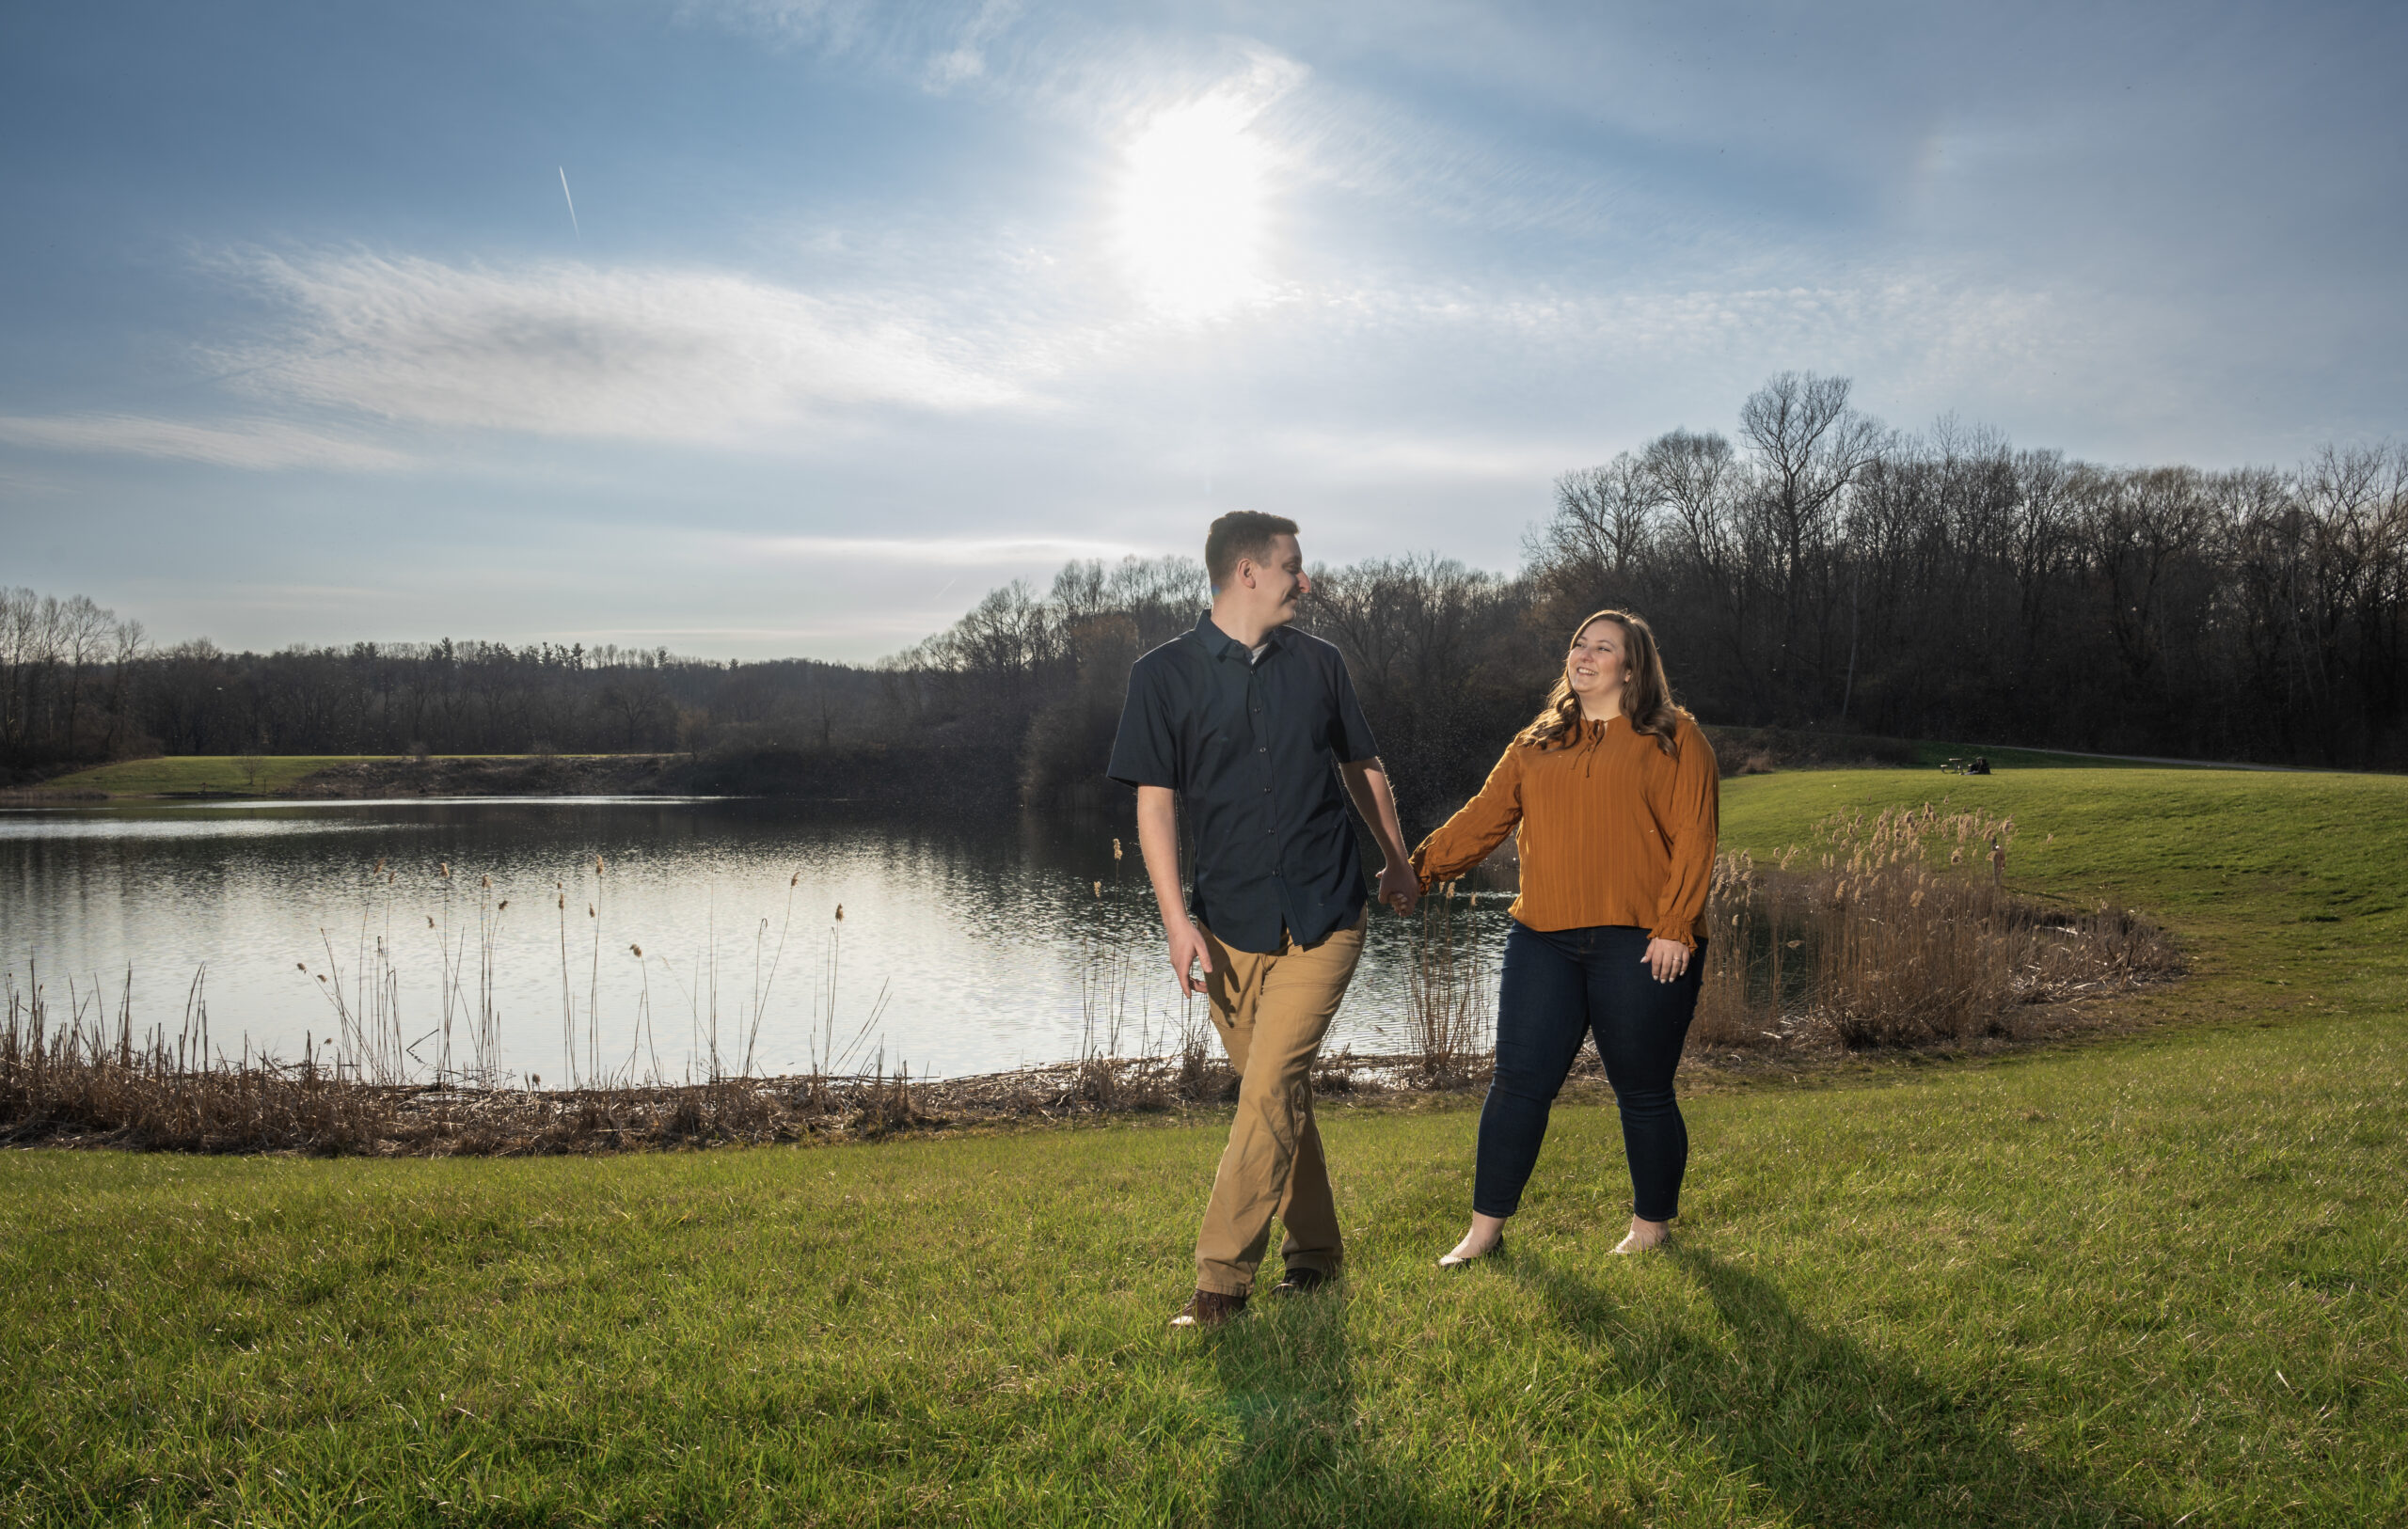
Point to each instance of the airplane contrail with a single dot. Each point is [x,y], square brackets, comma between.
[572,203]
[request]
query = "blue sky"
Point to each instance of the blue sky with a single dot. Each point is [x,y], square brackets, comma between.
[867,307]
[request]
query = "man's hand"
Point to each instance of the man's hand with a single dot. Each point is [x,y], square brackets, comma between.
[1188,949]
[1666,958]
[1367,781]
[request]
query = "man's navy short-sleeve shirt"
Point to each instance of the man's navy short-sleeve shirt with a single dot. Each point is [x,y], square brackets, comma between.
[1252,747]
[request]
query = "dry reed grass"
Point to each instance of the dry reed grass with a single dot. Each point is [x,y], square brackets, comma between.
[1450,994]
[87,1078]
[1897,931]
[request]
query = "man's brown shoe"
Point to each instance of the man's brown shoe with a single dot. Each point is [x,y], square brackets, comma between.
[1207,1308]
[1299,1282]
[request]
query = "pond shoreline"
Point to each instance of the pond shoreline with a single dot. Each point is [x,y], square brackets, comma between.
[870,774]
[281,1110]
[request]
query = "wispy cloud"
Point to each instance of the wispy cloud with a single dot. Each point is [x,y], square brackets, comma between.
[967,59]
[964,551]
[567,348]
[254,444]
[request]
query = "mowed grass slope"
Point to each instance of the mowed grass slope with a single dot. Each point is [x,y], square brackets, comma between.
[178,775]
[2149,1280]
[189,774]
[2287,891]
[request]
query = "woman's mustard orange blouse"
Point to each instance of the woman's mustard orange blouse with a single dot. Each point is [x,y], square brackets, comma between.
[1610,831]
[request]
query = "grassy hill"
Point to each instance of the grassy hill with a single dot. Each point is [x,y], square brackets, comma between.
[185,774]
[2150,1281]
[178,775]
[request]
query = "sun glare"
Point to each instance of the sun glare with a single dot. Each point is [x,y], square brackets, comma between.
[1190,224]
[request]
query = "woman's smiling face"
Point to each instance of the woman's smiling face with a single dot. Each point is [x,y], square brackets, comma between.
[1596,668]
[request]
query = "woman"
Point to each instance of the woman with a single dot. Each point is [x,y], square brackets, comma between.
[1614,791]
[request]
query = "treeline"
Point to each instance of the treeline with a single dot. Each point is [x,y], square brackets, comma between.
[1814,571]
[1823,572]
[77,686]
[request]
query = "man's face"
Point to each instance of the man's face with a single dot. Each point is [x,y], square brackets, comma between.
[1279,580]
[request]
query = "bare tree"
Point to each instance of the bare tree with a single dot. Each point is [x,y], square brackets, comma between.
[1809,447]
[1604,520]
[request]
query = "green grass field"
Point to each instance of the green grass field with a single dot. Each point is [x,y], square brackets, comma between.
[189,774]
[2150,1280]
[180,775]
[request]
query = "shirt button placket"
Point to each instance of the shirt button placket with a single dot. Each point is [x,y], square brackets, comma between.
[1262,752]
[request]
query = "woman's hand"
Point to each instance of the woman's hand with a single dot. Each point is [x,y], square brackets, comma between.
[1666,958]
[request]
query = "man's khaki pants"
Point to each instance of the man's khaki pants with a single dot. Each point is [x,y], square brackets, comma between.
[1271,1012]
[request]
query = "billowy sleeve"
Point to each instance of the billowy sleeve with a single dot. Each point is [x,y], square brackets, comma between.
[1690,817]
[1477,827]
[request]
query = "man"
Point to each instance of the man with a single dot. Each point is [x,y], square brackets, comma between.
[1254,727]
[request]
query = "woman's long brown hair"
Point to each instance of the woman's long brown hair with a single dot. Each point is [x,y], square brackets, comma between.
[1646,696]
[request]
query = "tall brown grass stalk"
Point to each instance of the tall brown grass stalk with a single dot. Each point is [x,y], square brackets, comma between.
[1449,1003]
[1896,930]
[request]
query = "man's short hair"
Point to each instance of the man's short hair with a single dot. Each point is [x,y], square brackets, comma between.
[1241,533]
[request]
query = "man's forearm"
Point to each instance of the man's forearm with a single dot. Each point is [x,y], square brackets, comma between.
[1158,841]
[1367,781]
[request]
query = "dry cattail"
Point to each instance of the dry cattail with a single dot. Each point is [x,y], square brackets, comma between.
[637,950]
[300,966]
[1099,889]
[589,911]
[430,921]
[1116,850]
[840,913]
[597,865]
[503,904]
[793,881]
[443,868]
[562,901]
[484,881]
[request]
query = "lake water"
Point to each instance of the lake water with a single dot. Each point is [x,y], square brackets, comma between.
[961,950]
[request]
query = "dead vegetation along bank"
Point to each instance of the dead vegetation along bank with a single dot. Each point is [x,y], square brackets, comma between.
[81,1087]
[1873,941]
[1896,930]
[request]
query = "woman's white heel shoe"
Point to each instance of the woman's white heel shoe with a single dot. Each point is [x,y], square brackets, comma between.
[1453,1261]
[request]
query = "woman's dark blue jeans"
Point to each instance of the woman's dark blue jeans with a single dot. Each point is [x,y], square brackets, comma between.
[1558,988]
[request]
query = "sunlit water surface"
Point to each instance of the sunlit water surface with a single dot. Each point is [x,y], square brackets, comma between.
[961,950]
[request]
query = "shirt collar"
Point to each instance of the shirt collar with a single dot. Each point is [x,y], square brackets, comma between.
[1221,645]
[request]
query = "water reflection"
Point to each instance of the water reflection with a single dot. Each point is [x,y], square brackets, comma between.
[991,943]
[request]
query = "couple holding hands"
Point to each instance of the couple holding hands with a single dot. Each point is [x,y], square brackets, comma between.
[1612,792]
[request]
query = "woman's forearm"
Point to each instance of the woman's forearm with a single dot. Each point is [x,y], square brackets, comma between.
[1477,827]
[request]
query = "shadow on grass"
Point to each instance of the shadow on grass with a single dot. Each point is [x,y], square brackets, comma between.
[1832,1432]
[1305,1455]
